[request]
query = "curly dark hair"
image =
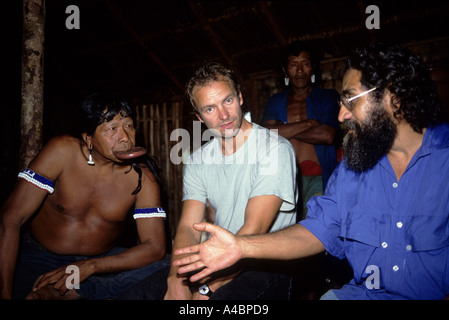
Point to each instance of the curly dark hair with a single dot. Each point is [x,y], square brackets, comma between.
[405,75]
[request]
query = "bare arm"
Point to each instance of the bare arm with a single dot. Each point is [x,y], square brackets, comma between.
[22,203]
[192,212]
[259,216]
[224,249]
[309,131]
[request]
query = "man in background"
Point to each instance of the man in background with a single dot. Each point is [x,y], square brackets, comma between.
[306,115]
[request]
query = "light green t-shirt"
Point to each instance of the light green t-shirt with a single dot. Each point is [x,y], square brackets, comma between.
[264,165]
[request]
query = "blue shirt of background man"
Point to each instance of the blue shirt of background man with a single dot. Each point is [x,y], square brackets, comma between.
[399,227]
[321,105]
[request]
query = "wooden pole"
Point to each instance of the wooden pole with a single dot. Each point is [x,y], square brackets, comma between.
[32,80]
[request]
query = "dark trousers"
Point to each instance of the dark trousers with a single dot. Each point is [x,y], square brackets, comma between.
[34,260]
[249,285]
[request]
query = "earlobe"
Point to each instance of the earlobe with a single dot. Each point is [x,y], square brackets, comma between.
[87,139]
[395,105]
[286,78]
[240,98]
[395,102]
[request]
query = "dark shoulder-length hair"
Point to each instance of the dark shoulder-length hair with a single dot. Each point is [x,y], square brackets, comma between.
[405,75]
[102,107]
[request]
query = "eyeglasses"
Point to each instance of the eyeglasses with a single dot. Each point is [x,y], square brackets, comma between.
[344,101]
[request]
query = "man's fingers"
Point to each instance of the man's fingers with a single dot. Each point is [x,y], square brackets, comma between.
[200,275]
[41,282]
[51,277]
[185,250]
[36,283]
[204,226]
[186,260]
[191,267]
[60,285]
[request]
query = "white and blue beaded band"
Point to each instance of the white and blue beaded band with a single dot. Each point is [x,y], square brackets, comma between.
[155,212]
[38,180]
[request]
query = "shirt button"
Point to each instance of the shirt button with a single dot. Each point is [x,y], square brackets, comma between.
[395,268]
[399,224]
[408,247]
[384,244]
[395,185]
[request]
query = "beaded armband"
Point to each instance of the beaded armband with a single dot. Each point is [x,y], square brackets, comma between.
[38,180]
[149,213]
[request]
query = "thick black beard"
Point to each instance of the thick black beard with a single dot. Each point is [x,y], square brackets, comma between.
[370,141]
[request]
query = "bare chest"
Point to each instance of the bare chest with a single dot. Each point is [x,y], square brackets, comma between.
[296,110]
[85,195]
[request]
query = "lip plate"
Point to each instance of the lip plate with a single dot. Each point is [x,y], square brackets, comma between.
[133,152]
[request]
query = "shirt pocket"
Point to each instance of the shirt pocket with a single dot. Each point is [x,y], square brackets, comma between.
[425,232]
[362,227]
[361,239]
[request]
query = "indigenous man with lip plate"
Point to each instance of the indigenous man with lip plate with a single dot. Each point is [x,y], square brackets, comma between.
[73,200]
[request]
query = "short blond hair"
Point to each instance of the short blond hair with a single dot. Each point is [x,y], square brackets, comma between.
[211,71]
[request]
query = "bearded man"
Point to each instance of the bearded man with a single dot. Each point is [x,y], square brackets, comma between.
[386,206]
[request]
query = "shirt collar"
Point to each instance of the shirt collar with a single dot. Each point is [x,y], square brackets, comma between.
[436,137]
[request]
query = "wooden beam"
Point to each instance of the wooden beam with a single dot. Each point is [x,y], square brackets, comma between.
[117,13]
[32,80]
[210,31]
[217,42]
[315,12]
[263,7]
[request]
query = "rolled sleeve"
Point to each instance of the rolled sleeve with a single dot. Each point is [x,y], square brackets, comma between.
[323,220]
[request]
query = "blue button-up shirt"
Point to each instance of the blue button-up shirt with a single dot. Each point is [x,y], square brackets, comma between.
[321,105]
[395,234]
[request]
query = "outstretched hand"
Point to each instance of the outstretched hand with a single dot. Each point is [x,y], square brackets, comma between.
[221,251]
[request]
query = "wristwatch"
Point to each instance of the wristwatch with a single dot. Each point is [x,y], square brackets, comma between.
[205,290]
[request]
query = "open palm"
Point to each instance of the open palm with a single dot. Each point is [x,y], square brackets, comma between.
[221,251]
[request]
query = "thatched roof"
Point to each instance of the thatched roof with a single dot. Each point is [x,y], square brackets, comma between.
[148,49]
